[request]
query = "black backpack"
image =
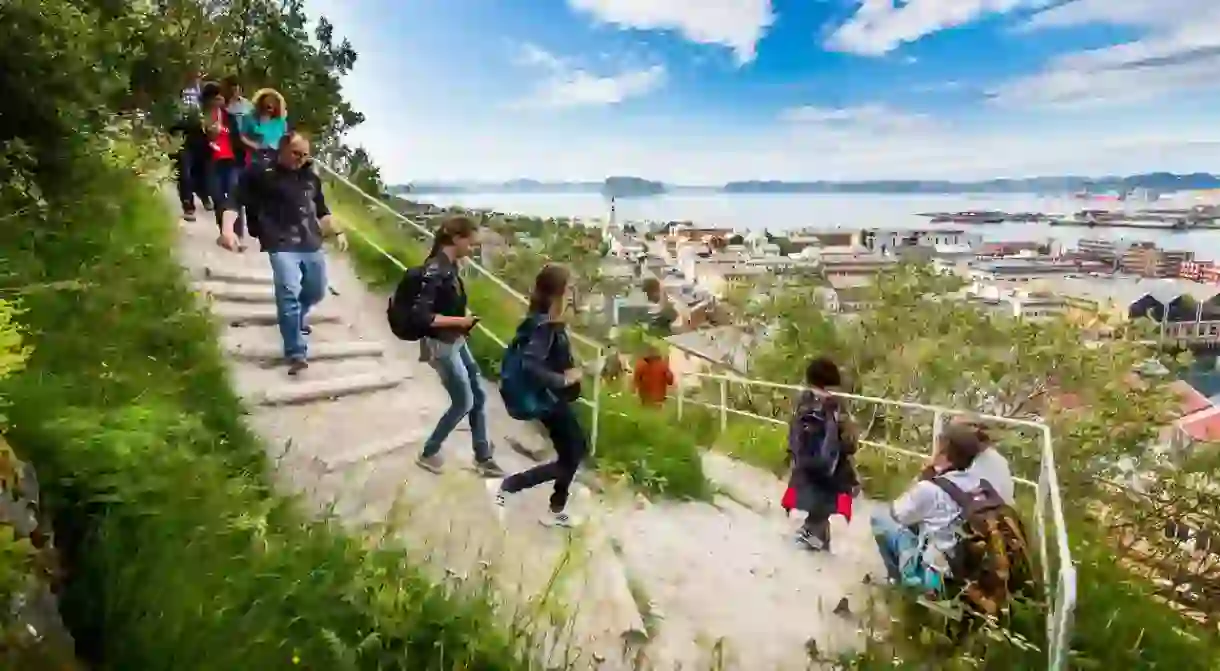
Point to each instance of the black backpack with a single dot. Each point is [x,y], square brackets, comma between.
[814,441]
[401,310]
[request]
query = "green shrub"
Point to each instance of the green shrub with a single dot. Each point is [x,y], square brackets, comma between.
[633,442]
[180,556]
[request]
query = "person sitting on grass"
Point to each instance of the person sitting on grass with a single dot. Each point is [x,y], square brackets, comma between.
[917,534]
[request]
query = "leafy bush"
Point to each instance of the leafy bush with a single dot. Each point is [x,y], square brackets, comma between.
[181,557]
[633,442]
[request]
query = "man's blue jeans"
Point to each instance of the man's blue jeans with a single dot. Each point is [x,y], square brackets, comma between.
[900,550]
[459,373]
[300,284]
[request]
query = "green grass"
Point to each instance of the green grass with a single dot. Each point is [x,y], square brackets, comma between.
[180,556]
[634,443]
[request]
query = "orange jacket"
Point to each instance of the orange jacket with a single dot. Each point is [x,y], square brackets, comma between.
[653,379]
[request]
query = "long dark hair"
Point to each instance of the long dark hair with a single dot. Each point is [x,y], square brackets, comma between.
[549,285]
[456,226]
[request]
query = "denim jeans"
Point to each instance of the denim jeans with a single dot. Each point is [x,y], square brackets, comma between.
[223,178]
[459,373]
[900,550]
[570,449]
[300,284]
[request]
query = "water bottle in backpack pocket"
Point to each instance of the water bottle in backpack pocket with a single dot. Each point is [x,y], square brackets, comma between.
[525,397]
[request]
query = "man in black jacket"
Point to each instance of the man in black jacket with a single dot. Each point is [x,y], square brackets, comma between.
[293,219]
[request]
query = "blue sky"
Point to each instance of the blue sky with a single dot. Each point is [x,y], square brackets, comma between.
[705,91]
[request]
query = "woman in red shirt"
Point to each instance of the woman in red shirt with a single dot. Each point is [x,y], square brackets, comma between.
[227,157]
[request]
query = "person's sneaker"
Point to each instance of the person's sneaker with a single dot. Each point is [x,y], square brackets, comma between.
[560,519]
[295,366]
[488,468]
[433,464]
[188,216]
[807,541]
[207,205]
[306,329]
[495,489]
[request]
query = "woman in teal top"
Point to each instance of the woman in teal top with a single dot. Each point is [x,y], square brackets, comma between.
[269,122]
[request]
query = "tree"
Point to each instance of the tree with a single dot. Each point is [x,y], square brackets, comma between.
[737,239]
[918,343]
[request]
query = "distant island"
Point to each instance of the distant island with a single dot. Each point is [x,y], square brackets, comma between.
[1161,182]
[629,186]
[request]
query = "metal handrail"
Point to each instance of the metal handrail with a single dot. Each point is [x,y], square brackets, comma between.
[1047,486]
[594,429]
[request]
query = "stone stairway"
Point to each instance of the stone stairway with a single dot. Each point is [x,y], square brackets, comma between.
[345,434]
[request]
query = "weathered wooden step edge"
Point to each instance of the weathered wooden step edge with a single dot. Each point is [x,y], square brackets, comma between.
[251,314]
[309,391]
[317,351]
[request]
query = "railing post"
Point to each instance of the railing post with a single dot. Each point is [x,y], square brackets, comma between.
[724,405]
[682,393]
[938,427]
[597,400]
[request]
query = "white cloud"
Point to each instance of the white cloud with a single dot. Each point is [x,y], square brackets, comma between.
[807,144]
[1179,54]
[880,26]
[736,24]
[873,118]
[567,86]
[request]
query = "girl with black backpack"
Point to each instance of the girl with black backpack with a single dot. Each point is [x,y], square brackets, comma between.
[548,362]
[821,449]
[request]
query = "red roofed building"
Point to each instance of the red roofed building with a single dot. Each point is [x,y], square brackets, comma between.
[1200,420]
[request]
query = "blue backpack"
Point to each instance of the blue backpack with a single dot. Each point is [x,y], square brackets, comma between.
[524,396]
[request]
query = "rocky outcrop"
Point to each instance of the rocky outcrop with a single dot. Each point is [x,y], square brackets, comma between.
[32,635]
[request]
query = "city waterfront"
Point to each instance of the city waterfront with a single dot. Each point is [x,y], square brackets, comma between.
[786,212]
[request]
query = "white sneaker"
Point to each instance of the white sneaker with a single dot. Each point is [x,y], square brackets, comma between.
[560,519]
[495,489]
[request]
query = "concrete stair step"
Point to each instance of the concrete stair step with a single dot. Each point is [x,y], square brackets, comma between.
[320,351]
[238,276]
[301,392]
[253,314]
[379,448]
[236,292]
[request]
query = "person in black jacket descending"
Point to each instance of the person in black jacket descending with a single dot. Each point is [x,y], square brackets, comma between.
[442,305]
[294,218]
[548,359]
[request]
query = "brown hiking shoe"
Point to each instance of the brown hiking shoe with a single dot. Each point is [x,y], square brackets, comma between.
[295,366]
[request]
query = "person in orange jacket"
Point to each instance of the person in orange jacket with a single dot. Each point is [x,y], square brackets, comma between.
[653,378]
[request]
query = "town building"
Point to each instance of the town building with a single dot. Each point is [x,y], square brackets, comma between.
[999,250]
[1025,269]
[890,241]
[710,349]
[1014,299]
[1206,272]
[1147,260]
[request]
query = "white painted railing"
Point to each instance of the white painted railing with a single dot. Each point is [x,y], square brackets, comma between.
[1049,503]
